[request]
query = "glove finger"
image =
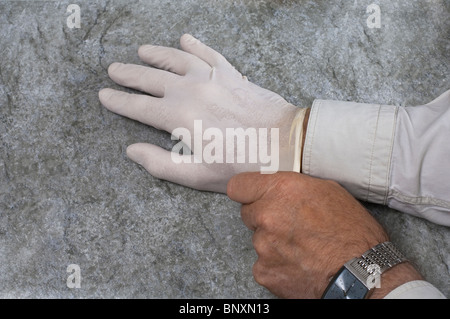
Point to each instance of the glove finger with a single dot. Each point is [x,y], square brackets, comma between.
[192,45]
[143,108]
[183,171]
[170,59]
[138,77]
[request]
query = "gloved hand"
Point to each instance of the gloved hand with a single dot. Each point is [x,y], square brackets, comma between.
[196,95]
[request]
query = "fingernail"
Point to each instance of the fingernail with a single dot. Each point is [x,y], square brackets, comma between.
[132,153]
[189,38]
[104,94]
[113,67]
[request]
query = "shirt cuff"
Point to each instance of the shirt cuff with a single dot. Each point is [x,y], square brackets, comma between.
[351,143]
[417,289]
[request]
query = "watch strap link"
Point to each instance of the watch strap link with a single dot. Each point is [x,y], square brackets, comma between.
[377,259]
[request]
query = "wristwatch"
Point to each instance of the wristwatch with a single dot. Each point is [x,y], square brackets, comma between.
[358,277]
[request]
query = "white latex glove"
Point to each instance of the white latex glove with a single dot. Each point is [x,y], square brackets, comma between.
[196,84]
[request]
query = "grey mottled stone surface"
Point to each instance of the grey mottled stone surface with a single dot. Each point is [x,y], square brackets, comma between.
[69,195]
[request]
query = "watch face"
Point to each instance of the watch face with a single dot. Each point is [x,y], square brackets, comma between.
[345,286]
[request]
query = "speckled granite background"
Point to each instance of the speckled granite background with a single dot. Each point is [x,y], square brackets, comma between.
[69,195]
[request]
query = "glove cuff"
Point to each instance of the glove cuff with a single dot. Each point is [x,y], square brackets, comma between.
[297,132]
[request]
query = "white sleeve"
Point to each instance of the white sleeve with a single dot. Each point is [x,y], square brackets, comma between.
[383,154]
[417,289]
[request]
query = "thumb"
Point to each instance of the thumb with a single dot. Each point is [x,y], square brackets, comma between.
[247,188]
[172,167]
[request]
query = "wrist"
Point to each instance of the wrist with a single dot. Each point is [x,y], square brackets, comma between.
[295,140]
[305,128]
[395,277]
[377,272]
[286,123]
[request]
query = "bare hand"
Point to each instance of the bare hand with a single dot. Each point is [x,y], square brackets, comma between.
[305,230]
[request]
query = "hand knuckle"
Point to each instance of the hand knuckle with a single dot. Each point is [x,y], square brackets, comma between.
[259,246]
[287,183]
[259,273]
[265,220]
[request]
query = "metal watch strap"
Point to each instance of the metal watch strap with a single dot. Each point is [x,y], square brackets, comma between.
[358,276]
[377,259]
